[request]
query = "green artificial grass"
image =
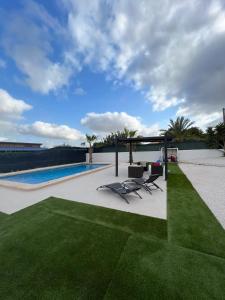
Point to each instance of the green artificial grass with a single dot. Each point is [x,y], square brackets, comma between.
[190,222]
[59,249]
[3,217]
[56,257]
[120,220]
[154,269]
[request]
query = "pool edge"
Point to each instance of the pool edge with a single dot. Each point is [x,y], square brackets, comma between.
[29,187]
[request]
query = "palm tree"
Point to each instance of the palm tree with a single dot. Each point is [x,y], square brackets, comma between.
[90,139]
[130,134]
[179,128]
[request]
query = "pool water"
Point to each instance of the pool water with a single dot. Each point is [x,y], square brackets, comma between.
[36,177]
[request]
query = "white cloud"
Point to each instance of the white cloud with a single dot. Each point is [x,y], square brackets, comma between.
[160,101]
[152,130]
[32,54]
[10,107]
[8,130]
[112,121]
[200,119]
[49,130]
[205,120]
[175,60]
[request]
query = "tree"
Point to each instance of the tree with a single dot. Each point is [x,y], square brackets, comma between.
[110,138]
[179,128]
[125,133]
[130,134]
[195,133]
[90,139]
[220,134]
[216,136]
[211,137]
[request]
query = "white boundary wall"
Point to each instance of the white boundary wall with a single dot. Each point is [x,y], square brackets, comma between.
[183,155]
[201,154]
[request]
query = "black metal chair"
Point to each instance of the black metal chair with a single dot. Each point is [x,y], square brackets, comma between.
[146,183]
[121,189]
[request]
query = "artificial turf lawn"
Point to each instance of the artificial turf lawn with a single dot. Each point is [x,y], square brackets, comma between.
[128,222]
[2,217]
[190,222]
[58,249]
[156,269]
[56,257]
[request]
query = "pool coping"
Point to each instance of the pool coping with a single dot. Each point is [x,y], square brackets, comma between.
[42,169]
[33,187]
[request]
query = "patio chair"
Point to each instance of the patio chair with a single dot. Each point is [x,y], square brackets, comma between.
[121,189]
[156,169]
[146,183]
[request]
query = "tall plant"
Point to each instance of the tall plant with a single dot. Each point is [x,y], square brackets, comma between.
[179,128]
[211,137]
[131,134]
[220,134]
[126,133]
[90,140]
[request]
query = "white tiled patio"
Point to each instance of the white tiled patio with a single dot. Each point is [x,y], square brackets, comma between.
[83,189]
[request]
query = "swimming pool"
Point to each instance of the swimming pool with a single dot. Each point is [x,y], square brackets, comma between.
[50,174]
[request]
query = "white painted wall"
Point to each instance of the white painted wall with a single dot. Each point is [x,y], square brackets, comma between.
[124,156]
[183,155]
[189,155]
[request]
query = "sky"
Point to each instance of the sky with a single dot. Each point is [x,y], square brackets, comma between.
[71,67]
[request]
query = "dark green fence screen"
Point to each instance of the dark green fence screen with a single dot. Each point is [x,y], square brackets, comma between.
[16,161]
[188,145]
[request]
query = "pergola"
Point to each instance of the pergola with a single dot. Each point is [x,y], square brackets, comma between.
[161,139]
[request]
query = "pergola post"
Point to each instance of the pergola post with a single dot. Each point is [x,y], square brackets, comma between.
[166,159]
[116,157]
[130,153]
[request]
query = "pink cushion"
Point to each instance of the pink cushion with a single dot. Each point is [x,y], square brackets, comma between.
[156,164]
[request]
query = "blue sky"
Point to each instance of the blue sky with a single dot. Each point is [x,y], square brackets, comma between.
[73,67]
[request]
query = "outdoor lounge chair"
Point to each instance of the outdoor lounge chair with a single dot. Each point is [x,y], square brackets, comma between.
[146,183]
[121,189]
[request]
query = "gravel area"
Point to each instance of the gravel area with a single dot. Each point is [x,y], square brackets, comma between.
[208,178]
